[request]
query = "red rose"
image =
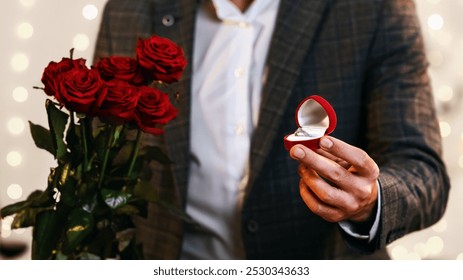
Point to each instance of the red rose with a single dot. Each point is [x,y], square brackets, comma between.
[161,59]
[51,74]
[122,68]
[120,101]
[81,90]
[153,110]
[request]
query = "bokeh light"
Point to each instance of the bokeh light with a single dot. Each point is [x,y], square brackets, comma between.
[20,94]
[435,245]
[14,191]
[25,30]
[19,62]
[27,3]
[14,158]
[399,252]
[6,227]
[445,129]
[444,93]
[90,12]
[16,125]
[81,42]
[435,22]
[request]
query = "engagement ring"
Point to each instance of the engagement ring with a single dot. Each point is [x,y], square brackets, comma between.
[301,132]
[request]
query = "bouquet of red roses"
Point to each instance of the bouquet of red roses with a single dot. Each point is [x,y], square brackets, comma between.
[85,211]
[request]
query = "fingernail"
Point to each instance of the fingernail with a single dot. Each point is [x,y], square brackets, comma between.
[326,143]
[298,153]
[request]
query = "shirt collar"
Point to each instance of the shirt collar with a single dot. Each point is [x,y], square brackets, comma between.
[227,11]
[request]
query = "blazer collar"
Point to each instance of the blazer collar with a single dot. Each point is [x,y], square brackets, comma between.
[296,27]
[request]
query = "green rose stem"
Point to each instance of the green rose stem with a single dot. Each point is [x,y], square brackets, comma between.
[135,152]
[106,155]
[83,127]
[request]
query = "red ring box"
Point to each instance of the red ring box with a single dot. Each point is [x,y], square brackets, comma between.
[315,116]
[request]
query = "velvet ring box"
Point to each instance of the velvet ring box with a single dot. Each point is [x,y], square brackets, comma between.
[315,117]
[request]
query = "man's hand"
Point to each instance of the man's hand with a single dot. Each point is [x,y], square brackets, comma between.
[338,181]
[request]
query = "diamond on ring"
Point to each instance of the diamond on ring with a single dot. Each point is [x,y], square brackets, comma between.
[301,132]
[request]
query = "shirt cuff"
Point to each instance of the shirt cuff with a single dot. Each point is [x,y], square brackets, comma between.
[350,229]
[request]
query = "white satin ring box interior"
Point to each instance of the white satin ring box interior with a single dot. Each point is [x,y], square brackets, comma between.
[315,117]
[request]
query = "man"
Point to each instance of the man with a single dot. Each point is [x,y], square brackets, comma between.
[378,177]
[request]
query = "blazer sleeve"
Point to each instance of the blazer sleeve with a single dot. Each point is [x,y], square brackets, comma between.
[402,131]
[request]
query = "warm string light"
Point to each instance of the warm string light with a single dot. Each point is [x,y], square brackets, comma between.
[27,3]
[14,191]
[445,129]
[16,125]
[19,62]
[81,42]
[435,22]
[14,158]
[25,30]
[90,12]
[433,246]
[20,94]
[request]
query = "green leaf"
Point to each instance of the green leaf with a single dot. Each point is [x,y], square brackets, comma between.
[15,208]
[37,198]
[115,199]
[68,192]
[57,121]
[42,138]
[72,138]
[45,235]
[79,225]
[26,217]
[40,198]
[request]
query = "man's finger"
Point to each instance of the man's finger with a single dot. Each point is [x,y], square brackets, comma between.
[358,158]
[334,158]
[325,167]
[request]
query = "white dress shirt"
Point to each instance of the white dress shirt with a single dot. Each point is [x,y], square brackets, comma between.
[228,65]
[228,74]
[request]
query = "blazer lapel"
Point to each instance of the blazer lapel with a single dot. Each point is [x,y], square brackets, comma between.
[295,29]
[181,31]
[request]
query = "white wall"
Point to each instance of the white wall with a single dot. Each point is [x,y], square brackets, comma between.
[34,32]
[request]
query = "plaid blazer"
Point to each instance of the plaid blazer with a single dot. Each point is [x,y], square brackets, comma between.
[366,57]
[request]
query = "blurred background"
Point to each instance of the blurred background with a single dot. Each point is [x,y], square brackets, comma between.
[33,33]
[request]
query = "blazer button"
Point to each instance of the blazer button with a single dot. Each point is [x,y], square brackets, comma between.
[168,20]
[253,226]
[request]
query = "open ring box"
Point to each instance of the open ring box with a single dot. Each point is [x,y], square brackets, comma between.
[315,117]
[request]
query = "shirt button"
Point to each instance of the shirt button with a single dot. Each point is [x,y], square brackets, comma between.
[239,129]
[239,72]
[252,226]
[168,20]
